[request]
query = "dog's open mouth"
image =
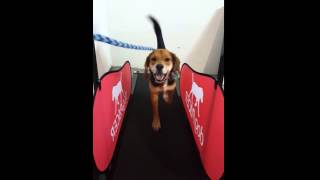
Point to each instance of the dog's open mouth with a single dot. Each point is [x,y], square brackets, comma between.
[160,77]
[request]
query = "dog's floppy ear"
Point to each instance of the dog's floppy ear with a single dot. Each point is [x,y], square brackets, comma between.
[146,66]
[176,63]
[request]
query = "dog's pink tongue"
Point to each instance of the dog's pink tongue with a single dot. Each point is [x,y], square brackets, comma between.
[159,77]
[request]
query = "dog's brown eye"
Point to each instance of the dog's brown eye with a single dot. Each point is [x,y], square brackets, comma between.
[167,59]
[153,59]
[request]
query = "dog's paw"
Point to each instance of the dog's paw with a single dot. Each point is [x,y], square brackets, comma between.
[156,125]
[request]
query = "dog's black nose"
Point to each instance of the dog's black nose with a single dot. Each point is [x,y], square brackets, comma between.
[159,67]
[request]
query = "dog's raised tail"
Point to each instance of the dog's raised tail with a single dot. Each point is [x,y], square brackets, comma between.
[158,32]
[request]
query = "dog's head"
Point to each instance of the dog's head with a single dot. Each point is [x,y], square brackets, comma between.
[162,64]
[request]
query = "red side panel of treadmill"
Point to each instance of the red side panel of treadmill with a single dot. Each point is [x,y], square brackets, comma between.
[197,93]
[213,155]
[204,106]
[110,103]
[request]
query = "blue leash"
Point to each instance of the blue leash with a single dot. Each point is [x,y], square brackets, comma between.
[105,39]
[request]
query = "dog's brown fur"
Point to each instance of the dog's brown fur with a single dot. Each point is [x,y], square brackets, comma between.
[169,61]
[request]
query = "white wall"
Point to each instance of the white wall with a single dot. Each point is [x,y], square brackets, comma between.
[100,25]
[192,29]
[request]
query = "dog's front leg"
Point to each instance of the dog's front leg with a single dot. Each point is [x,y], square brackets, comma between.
[168,96]
[155,111]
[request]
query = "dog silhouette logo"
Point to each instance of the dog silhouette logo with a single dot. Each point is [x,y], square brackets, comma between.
[197,92]
[116,93]
[193,100]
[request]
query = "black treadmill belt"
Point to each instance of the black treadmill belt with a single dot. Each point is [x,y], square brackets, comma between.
[142,153]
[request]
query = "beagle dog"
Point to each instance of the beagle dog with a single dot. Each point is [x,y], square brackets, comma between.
[162,68]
